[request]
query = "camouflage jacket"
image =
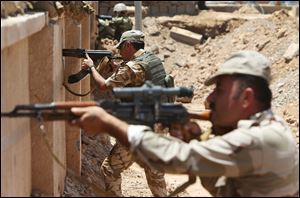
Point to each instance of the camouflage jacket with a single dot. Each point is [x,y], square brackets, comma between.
[121,25]
[118,24]
[132,74]
[259,158]
[144,66]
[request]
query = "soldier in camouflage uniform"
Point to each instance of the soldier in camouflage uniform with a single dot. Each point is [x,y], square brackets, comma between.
[119,24]
[253,153]
[138,67]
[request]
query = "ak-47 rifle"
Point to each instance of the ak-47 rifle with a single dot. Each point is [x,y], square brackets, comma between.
[104,17]
[95,55]
[145,107]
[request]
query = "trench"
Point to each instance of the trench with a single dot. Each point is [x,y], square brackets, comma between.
[209,30]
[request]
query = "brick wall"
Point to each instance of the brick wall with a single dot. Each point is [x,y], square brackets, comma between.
[155,8]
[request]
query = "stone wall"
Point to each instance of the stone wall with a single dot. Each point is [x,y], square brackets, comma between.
[155,8]
[33,71]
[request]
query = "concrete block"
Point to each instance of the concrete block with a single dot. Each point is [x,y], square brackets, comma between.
[154,10]
[294,12]
[15,133]
[103,11]
[163,10]
[46,75]
[14,29]
[85,42]
[172,10]
[73,65]
[163,3]
[181,9]
[93,26]
[185,36]
[191,9]
[222,7]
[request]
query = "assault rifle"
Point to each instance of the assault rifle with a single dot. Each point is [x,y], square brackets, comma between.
[95,55]
[104,17]
[145,107]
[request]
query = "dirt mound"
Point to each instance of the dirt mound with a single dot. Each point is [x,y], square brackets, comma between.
[224,34]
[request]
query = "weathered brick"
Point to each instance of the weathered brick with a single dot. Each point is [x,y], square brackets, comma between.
[172,10]
[163,10]
[154,10]
[191,9]
[181,10]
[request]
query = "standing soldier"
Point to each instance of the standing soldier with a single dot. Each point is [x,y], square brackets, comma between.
[119,24]
[138,67]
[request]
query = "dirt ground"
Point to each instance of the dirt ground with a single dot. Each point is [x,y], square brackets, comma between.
[223,34]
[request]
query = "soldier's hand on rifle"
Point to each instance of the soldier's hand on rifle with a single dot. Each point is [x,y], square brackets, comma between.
[94,120]
[91,119]
[87,63]
[186,132]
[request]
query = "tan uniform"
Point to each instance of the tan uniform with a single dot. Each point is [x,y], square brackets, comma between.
[127,74]
[259,158]
[120,158]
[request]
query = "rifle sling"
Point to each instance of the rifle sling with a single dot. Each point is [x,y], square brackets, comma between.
[99,191]
[182,187]
[74,78]
[77,94]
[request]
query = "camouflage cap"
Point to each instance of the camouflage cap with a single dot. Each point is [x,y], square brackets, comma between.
[244,62]
[131,35]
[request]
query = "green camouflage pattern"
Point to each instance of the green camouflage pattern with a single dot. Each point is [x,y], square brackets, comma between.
[154,69]
[259,158]
[121,24]
[114,28]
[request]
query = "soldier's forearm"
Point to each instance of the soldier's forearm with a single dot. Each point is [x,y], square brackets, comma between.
[118,129]
[99,79]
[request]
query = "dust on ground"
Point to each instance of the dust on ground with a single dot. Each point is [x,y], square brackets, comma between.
[223,34]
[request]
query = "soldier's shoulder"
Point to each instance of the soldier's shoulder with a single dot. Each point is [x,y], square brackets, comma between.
[151,55]
[130,63]
[119,19]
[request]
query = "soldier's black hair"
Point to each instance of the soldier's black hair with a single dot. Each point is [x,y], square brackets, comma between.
[263,94]
[138,44]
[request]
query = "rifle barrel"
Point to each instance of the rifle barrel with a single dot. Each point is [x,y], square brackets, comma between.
[204,115]
[70,104]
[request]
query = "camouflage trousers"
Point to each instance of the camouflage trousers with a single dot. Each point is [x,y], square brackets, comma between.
[119,160]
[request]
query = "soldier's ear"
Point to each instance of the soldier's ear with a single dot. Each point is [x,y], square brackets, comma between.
[247,97]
